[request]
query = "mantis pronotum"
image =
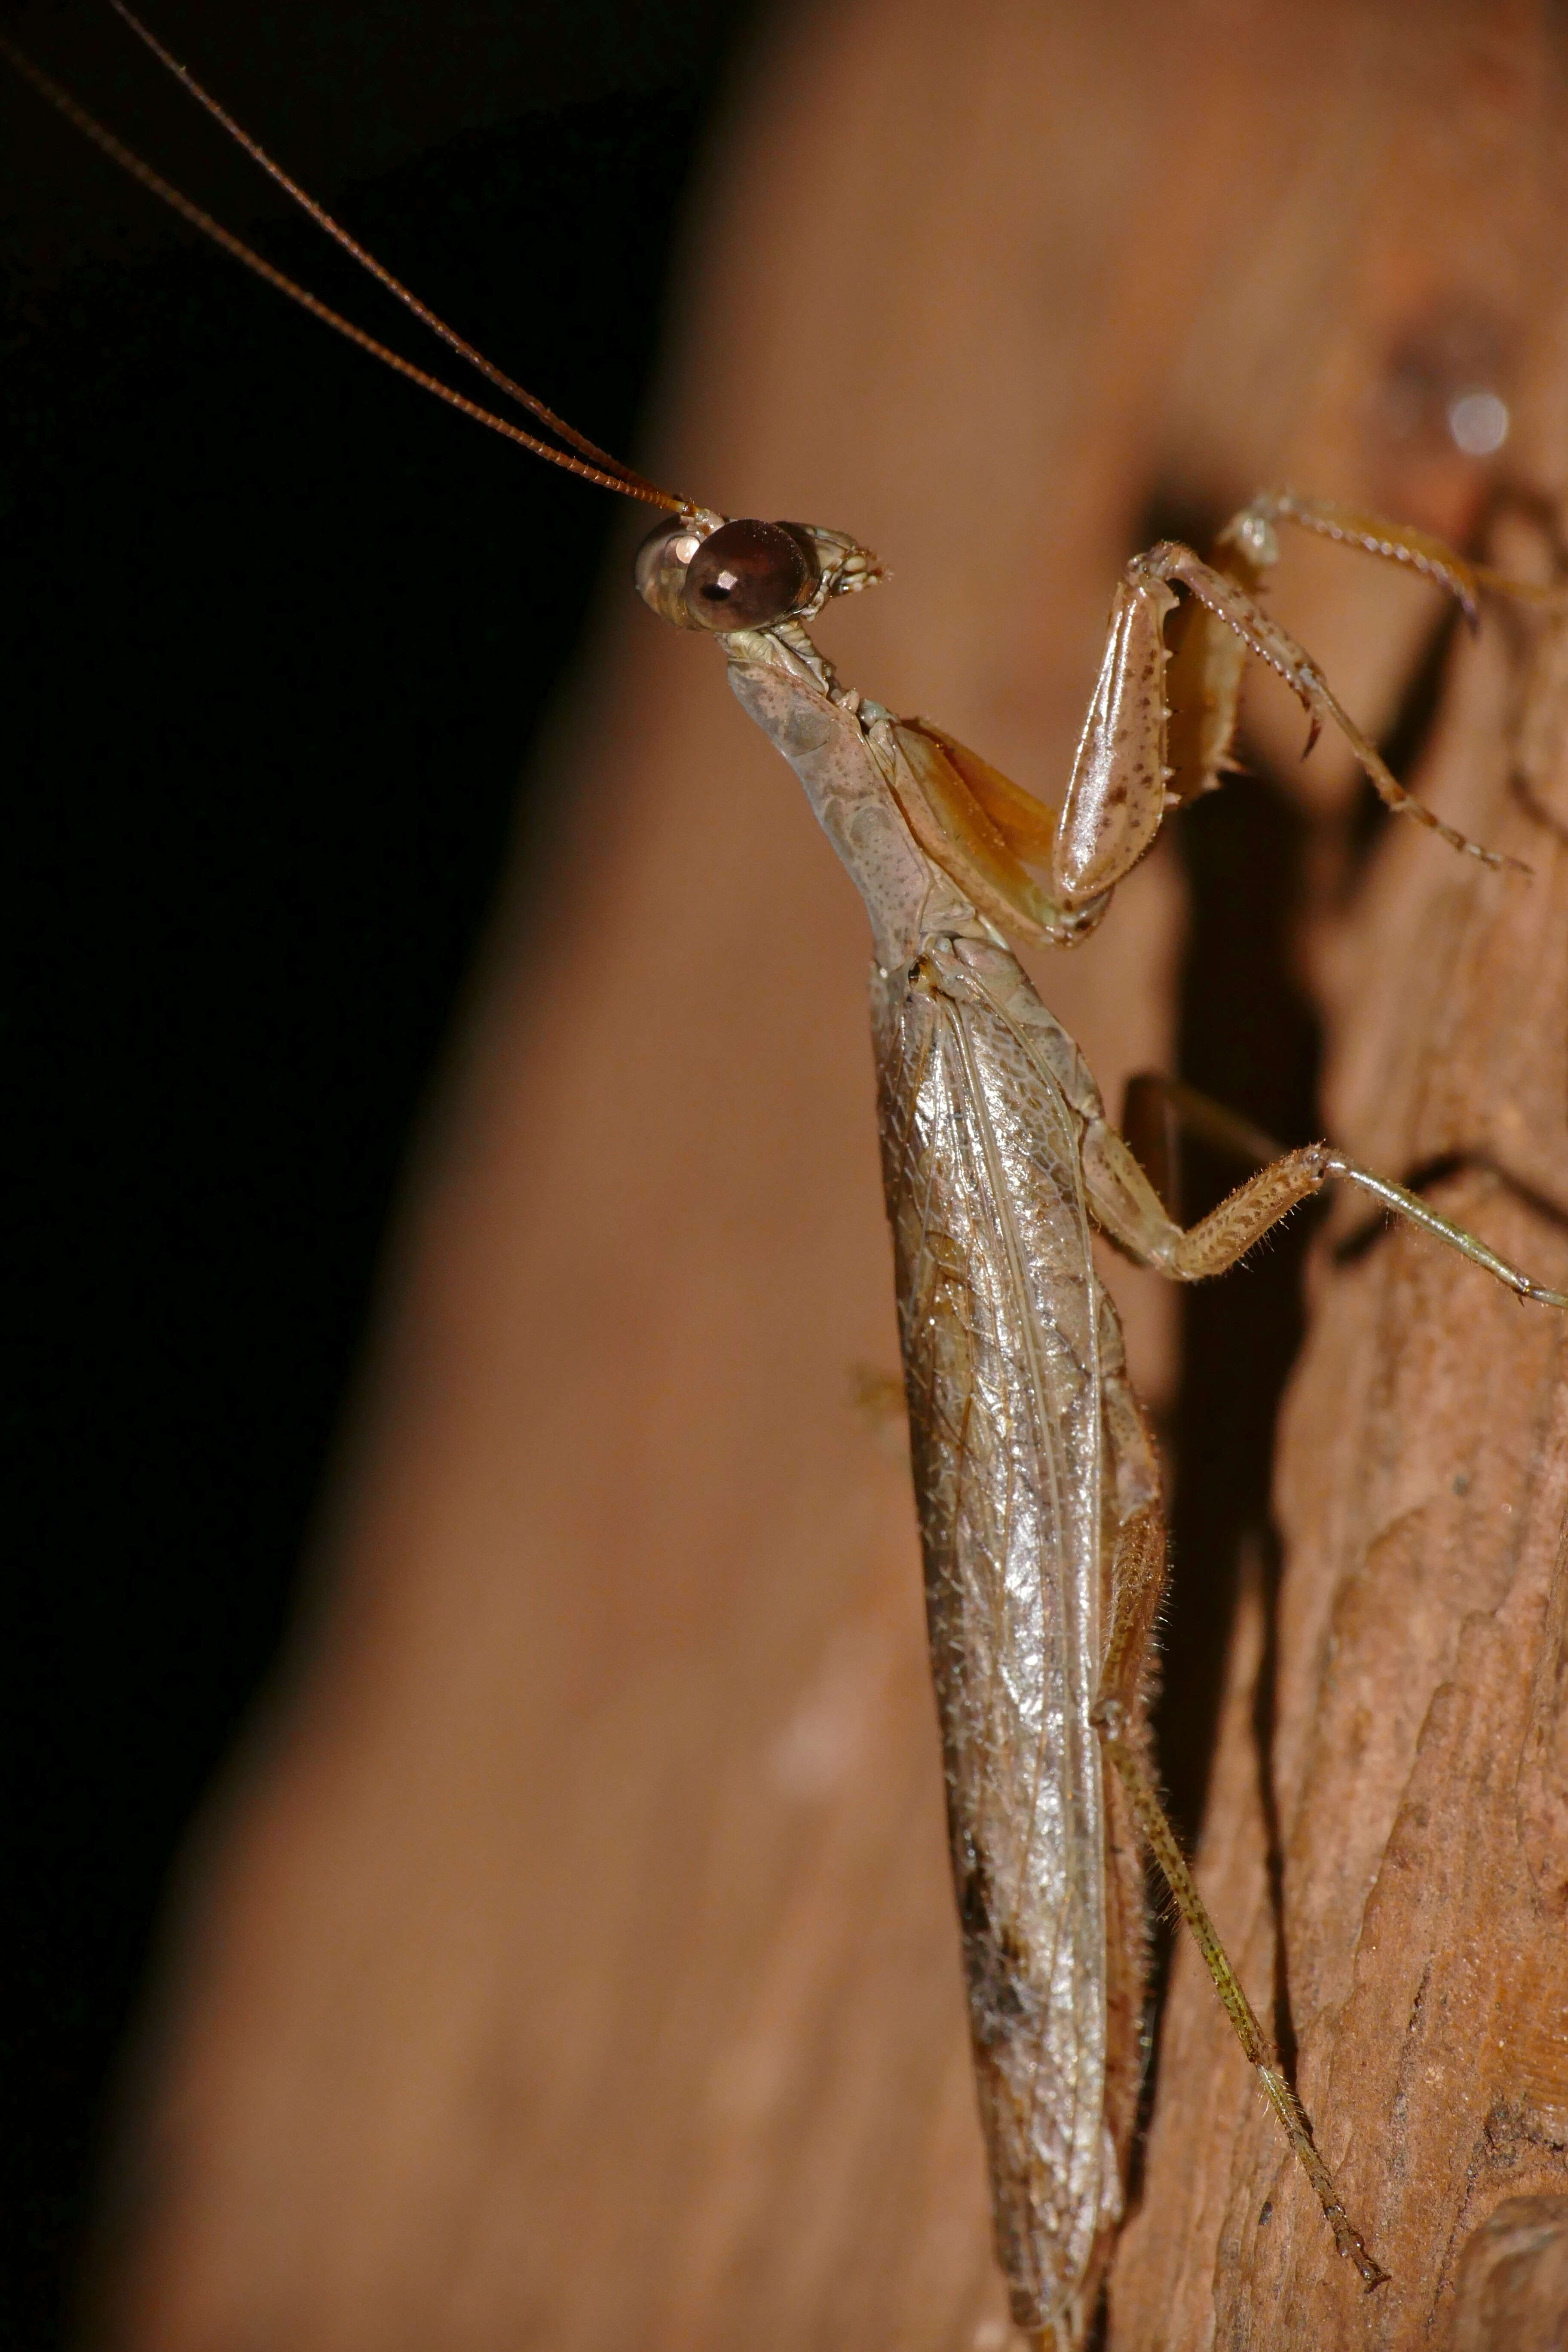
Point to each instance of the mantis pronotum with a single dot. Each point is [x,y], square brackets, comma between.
[987,1102]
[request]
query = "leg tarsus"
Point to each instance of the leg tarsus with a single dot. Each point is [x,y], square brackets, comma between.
[1138,1578]
[1161,1840]
[1410,1206]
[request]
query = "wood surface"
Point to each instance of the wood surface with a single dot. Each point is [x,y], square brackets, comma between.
[568,1960]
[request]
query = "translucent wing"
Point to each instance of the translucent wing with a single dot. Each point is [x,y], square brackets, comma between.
[998,1315]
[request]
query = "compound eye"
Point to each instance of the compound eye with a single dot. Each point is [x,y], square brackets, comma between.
[747,575]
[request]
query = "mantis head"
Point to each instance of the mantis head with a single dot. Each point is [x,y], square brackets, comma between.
[701,573]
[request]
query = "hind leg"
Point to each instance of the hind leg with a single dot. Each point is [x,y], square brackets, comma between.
[1138,1581]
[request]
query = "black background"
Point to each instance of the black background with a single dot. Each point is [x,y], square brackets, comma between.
[276,630]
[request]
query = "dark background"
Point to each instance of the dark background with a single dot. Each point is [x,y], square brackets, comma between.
[276,633]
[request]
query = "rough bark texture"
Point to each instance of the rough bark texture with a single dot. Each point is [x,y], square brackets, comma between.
[570,1963]
[1387,1836]
[1388,1832]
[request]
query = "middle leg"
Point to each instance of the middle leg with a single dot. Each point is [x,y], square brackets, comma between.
[1127,1205]
[1285,1177]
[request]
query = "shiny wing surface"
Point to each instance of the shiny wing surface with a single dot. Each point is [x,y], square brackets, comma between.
[997,1311]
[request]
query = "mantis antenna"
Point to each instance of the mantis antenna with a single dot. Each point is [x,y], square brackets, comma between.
[591,463]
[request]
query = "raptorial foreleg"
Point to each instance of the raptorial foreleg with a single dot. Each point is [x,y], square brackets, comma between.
[1162,724]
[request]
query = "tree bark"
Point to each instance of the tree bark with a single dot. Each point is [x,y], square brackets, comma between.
[1386,1840]
[570,1959]
[1387,1827]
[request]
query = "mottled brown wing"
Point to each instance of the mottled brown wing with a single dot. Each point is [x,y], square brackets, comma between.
[997,1310]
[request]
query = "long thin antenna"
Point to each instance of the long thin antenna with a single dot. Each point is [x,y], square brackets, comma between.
[609,474]
[378,270]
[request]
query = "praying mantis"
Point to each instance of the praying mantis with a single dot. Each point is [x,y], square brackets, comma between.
[1044,1583]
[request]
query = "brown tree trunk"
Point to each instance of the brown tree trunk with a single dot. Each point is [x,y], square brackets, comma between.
[1386,1837]
[1387,1831]
[572,1962]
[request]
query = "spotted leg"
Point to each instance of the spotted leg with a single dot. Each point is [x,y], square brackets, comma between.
[1161,728]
